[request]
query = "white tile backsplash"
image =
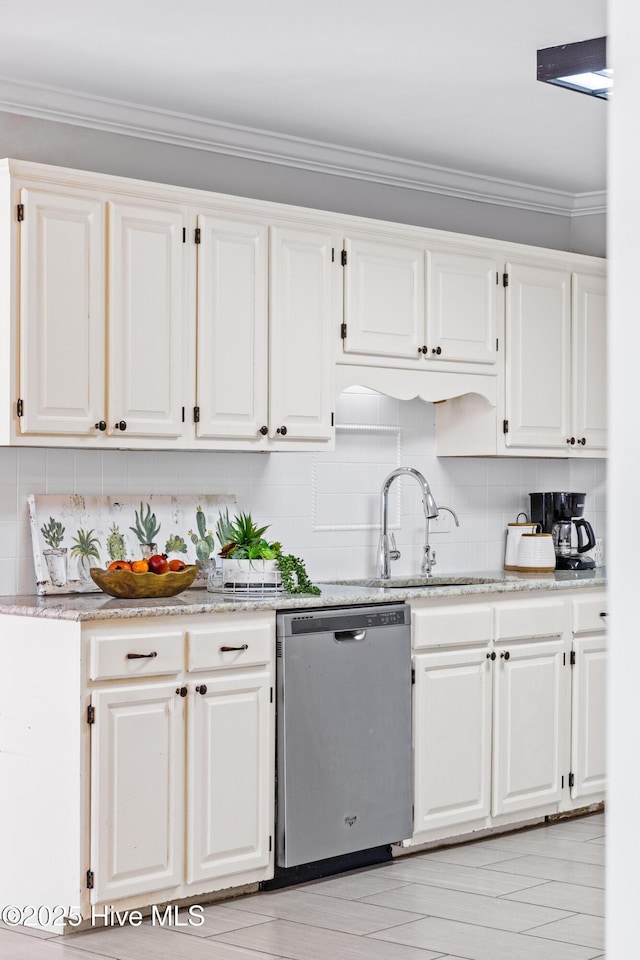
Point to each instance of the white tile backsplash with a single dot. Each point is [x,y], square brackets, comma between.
[297,492]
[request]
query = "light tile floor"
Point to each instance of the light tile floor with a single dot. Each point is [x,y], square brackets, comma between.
[533,895]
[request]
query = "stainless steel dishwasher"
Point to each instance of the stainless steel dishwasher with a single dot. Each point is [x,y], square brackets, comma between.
[344,756]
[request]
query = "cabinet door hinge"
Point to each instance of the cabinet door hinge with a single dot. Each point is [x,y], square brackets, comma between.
[505,426]
[20,212]
[343,331]
[19,408]
[91,714]
[343,258]
[197,235]
[505,279]
[572,658]
[196,414]
[413,675]
[572,779]
[89,879]
[184,234]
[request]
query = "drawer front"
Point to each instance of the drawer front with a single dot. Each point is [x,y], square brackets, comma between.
[529,619]
[119,654]
[587,614]
[451,626]
[231,640]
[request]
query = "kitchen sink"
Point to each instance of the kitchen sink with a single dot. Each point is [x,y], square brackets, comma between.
[408,583]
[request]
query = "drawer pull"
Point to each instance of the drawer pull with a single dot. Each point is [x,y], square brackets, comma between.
[201,688]
[603,614]
[245,646]
[142,656]
[181,691]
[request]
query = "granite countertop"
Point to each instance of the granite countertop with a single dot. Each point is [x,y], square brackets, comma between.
[98,606]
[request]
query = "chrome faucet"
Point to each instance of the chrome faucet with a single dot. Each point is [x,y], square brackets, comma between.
[429,558]
[387,547]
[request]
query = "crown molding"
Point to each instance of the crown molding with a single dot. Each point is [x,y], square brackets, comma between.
[129,119]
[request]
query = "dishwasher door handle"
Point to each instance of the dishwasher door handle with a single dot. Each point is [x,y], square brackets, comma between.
[340,635]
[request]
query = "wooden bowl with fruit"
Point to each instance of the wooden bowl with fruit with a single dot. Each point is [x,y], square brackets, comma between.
[142,579]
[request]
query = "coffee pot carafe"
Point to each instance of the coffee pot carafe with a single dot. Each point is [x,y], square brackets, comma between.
[559,513]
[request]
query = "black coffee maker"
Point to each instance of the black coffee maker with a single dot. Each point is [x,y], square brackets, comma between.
[559,514]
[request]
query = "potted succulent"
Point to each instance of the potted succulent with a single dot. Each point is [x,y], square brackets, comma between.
[55,556]
[146,530]
[249,559]
[86,548]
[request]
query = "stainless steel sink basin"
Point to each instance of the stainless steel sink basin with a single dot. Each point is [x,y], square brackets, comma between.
[408,583]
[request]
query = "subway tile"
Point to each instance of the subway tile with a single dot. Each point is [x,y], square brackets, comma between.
[8,577]
[87,471]
[8,539]
[60,468]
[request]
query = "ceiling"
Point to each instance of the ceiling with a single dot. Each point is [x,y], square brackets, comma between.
[445,85]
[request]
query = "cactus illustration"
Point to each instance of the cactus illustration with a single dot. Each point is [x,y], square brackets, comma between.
[53,532]
[203,540]
[175,544]
[146,528]
[116,543]
[85,547]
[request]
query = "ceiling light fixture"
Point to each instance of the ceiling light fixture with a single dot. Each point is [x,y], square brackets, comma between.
[578,66]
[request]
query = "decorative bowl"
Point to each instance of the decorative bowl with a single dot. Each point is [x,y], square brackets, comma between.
[127,585]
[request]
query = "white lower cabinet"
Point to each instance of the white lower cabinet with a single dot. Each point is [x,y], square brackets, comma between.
[508,725]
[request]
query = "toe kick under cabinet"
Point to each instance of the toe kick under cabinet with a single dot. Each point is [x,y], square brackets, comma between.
[138,760]
[509,703]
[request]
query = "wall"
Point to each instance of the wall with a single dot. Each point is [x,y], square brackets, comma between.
[297,493]
[43,141]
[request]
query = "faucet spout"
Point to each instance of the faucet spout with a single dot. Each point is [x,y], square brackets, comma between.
[385,555]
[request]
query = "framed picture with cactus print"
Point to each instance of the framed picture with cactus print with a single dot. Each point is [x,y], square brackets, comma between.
[70,534]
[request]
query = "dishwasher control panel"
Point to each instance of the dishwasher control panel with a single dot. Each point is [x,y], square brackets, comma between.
[365,618]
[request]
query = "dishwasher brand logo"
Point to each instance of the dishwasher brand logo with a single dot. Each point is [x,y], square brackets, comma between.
[350,821]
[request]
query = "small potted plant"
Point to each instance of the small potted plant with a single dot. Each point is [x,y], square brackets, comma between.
[249,561]
[146,530]
[55,556]
[86,548]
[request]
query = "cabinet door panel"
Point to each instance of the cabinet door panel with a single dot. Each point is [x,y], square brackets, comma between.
[452,711]
[461,306]
[302,318]
[384,297]
[538,331]
[232,328]
[148,325]
[531,716]
[62,333]
[229,775]
[590,360]
[137,790]
[588,740]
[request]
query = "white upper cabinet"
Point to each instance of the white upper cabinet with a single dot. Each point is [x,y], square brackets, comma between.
[538,368]
[303,280]
[147,319]
[232,328]
[62,314]
[589,384]
[462,297]
[412,302]
[384,297]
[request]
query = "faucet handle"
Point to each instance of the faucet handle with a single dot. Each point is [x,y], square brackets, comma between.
[394,553]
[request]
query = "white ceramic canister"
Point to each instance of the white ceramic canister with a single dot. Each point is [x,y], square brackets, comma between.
[514,532]
[536,553]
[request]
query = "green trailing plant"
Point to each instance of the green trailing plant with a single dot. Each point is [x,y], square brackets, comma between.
[203,539]
[85,545]
[116,543]
[241,539]
[146,528]
[53,532]
[175,544]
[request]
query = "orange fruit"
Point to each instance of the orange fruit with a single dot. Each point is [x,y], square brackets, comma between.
[120,565]
[140,566]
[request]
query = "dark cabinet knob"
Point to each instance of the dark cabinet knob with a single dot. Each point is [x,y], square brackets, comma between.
[437,350]
[582,441]
[101,425]
[282,431]
[571,440]
[181,691]
[603,614]
[423,349]
[264,430]
[492,655]
[505,654]
[202,688]
[121,425]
